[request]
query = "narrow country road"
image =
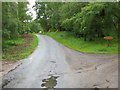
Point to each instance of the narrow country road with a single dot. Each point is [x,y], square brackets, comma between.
[64,67]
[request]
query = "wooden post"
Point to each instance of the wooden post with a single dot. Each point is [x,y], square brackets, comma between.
[108,38]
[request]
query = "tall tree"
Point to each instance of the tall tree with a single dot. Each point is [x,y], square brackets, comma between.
[13,17]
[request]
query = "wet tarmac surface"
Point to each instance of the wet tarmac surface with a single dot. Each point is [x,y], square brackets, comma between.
[53,65]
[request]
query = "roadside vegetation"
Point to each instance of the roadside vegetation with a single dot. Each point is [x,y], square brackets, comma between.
[97,46]
[82,26]
[18,40]
[20,48]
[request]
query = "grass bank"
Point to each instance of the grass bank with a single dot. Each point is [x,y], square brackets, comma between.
[20,48]
[97,46]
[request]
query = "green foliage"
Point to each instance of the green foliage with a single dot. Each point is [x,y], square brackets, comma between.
[13,17]
[88,20]
[94,20]
[91,20]
[69,10]
[13,21]
[24,49]
[97,46]
[14,42]
[67,24]
[35,27]
[48,15]
[28,50]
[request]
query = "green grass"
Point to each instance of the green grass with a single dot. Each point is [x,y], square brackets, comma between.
[21,49]
[97,46]
[12,43]
[26,52]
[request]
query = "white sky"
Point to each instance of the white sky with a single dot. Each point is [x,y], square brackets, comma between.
[32,3]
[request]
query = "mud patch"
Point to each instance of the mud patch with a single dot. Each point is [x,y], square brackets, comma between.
[5,83]
[9,66]
[49,82]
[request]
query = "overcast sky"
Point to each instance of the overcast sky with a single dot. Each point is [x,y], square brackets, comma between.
[32,3]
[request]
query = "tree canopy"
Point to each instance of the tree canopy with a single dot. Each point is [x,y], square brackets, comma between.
[89,19]
[13,17]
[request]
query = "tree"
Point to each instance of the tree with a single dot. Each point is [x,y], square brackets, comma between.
[35,27]
[94,20]
[13,17]
[89,20]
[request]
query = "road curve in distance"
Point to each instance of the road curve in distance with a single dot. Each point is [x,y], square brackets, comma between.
[73,69]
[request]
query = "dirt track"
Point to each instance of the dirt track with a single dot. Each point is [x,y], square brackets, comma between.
[73,69]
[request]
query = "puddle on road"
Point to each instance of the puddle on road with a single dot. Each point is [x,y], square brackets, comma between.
[49,82]
[52,61]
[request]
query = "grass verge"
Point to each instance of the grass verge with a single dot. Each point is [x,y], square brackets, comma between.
[97,46]
[20,48]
